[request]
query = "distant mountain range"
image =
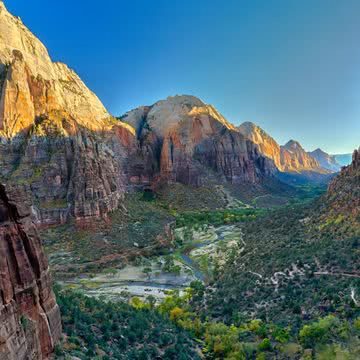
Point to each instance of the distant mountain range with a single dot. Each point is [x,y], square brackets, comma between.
[292,157]
[343,159]
[75,160]
[331,162]
[325,160]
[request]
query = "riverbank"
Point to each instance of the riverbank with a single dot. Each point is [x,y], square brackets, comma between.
[157,275]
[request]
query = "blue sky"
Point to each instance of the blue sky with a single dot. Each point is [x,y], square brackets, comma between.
[291,66]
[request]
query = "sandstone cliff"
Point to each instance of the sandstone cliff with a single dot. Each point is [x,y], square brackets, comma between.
[267,145]
[288,158]
[73,159]
[56,138]
[325,160]
[192,143]
[343,196]
[295,158]
[30,322]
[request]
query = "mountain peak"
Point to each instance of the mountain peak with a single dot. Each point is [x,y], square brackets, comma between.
[297,159]
[188,100]
[292,145]
[325,160]
[16,36]
[25,61]
[319,151]
[249,124]
[290,157]
[249,129]
[171,112]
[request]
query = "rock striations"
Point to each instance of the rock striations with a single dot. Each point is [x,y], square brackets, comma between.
[267,145]
[326,160]
[295,158]
[34,85]
[288,158]
[192,143]
[343,196]
[30,322]
[56,138]
[73,159]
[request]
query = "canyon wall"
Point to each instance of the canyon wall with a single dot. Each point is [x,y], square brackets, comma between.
[30,322]
[343,195]
[288,158]
[74,160]
[57,140]
[194,144]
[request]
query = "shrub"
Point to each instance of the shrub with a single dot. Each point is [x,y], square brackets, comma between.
[265,345]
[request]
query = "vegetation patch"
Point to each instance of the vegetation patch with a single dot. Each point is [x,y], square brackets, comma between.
[175,329]
[107,330]
[140,230]
[181,197]
[217,217]
[288,271]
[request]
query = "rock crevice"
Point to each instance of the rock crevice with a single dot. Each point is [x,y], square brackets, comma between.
[57,141]
[196,143]
[30,323]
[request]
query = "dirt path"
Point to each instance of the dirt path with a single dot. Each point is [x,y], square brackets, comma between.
[346,274]
[230,201]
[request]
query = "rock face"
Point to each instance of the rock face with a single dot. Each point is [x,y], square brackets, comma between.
[30,322]
[343,196]
[325,160]
[192,143]
[295,158]
[73,159]
[56,138]
[34,84]
[288,158]
[267,145]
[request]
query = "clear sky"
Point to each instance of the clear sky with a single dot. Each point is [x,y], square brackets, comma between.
[291,66]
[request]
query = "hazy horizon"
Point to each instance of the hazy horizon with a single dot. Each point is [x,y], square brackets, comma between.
[290,67]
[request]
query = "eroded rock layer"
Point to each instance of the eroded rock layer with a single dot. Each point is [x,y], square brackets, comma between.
[289,158]
[193,143]
[326,160]
[343,196]
[30,322]
[295,158]
[73,159]
[57,140]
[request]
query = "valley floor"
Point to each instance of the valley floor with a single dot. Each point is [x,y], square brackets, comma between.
[156,275]
[243,282]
